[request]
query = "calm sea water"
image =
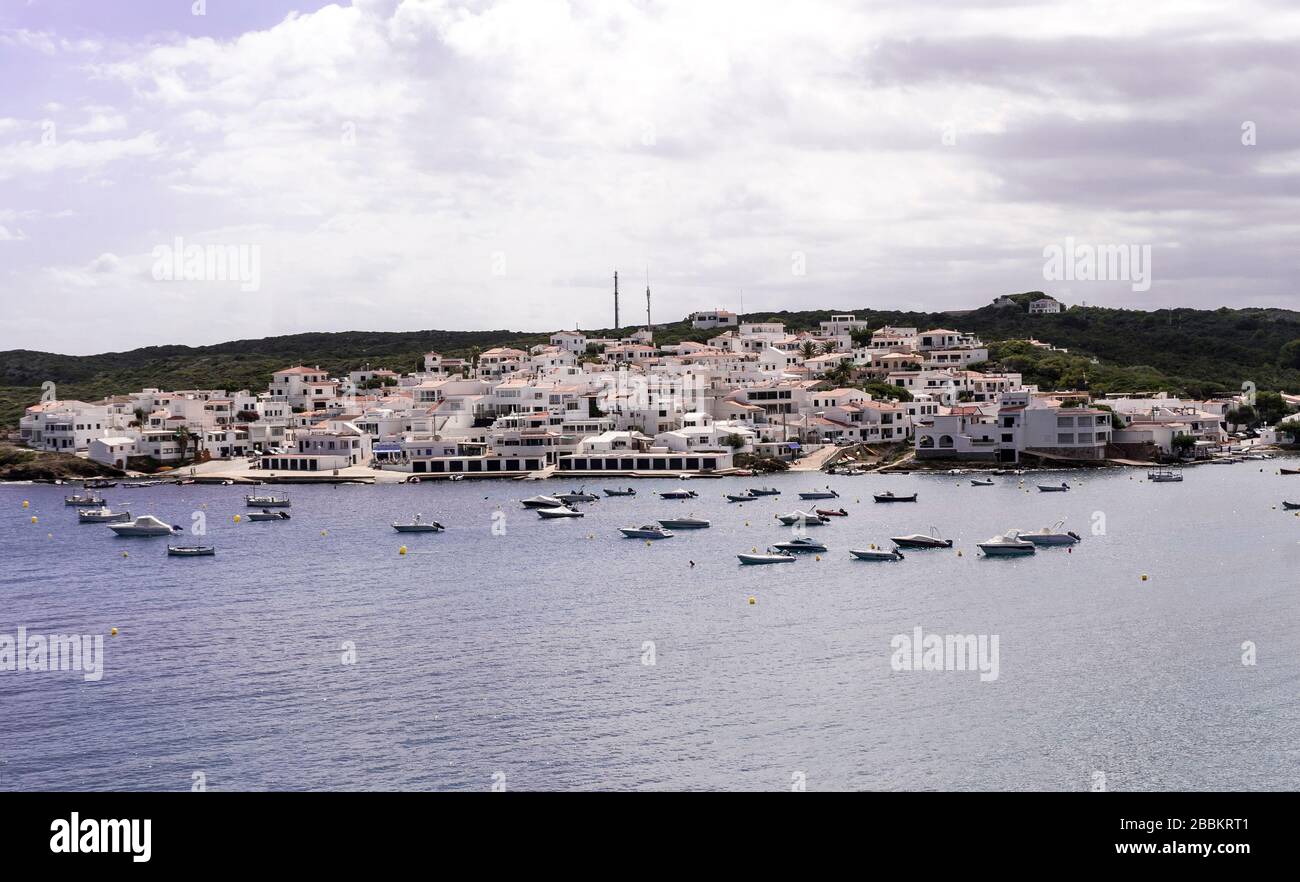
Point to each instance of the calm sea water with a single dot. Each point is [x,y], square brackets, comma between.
[524,654]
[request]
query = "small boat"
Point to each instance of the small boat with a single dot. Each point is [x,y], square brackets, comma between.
[137,485]
[102,515]
[805,518]
[876,554]
[802,544]
[1009,544]
[832,513]
[98,484]
[628,492]
[769,558]
[267,515]
[741,497]
[820,494]
[191,550]
[890,497]
[542,502]
[267,501]
[684,523]
[1164,476]
[1054,488]
[679,493]
[764,491]
[921,540]
[86,499]
[145,525]
[577,496]
[419,525]
[646,531]
[1290,471]
[981,482]
[1053,535]
[1290,506]
[561,511]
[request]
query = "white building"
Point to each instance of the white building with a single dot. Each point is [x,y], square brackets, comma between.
[713,318]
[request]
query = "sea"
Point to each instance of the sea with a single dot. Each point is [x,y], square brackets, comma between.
[329,652]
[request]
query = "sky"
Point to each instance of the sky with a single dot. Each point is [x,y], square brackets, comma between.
[196,171]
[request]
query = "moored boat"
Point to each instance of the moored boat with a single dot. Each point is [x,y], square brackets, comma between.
[98,484]
[764,491]
[577,496]
[191,550]
[831,512]
[1289,471]
[145,525]
[102,515]
[802,544]
[890,497]
[1164,476]
[267,501]
[921,540]
[1009,544]
[892,554]
[805,518]
[419,525]
[1054,488]
[679,493]
[1290,506]
[87,499]
[628,492]
[1053,535]
[268,515]
[741,497]
[690,523]
[819,494]
[769,558]
[542,502]
[561,511]
[646,531]
[981,482]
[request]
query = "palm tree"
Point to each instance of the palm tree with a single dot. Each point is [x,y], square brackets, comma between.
[827,348]
[808,349]
[139,417]
[184,437]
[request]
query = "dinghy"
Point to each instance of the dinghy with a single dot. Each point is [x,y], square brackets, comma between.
[268,515]
[679,493]
[191,550]
[419,525]
[628,492]
[981,482]
[1054,488]
[890,497]
[832,513]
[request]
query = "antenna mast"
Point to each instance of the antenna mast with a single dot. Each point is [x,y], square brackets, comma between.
[616,300]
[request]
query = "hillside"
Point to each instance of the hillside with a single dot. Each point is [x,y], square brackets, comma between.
[1194,352]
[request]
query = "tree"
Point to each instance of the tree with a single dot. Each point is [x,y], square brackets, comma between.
[1182,444]
[1290,354]
[808,349]
[1242,416]
[1270,407]
[140,414]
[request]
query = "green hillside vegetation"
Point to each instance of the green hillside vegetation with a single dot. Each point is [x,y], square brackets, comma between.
[1181,351]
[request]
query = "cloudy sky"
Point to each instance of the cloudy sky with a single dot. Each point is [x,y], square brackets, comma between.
[408,164]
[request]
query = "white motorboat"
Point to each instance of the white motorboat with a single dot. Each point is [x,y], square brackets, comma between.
[1164,476]
[1009,544]
[577,496]
[802,544]
[769,558]
[679,493]
[819,494]
[876,554]
[921,540]
[805,518]
[83,499]
[191,550]
[764,491]
[102,515]
[145,525]
[741,497]
[1053,535]
[561,511]
[646,531]
[690,523]
[267,515]
[419,525]
[267,501]
[542,502]
[981,482]
[1054,488]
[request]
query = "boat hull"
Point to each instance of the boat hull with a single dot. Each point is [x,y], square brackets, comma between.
[1050,539]
[760,559]
[418,528]
[684,525]
[190,552]
[644,534]
[122,518]
[1006,550]
[911,498]
[905,542]
[876,554]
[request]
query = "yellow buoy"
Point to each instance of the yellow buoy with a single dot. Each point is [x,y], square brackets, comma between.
[35,519]
[817,557]
[959,552]
[402,550]
[752,601]
[1144,577]
[113,631]
[647,542]
[26,503]
[754,550]
[124,554]
[238,518]
[324,532]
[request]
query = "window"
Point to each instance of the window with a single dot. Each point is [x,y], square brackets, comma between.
[1065,438]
